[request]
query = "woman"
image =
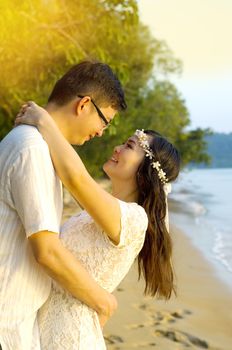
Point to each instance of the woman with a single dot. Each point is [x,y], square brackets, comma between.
[112,230]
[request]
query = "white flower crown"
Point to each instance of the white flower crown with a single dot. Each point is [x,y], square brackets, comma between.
[143,142]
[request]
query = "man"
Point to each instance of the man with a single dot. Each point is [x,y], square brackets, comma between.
[82,103]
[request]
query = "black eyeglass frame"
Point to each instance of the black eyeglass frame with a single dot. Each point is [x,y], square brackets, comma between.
[101,115]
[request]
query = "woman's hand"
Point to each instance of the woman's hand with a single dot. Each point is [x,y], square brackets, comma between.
[32,114]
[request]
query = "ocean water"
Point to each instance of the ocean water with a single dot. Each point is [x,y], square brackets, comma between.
[203,198]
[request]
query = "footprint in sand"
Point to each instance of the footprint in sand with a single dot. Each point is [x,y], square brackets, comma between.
[177,314]
[113,339]
[143,306]
[182,338]
[136,326]
[163,317]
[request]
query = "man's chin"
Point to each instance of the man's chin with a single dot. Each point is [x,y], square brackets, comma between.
[79,143]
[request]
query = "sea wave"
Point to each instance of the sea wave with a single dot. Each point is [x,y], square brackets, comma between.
[200,204]
[187,204]
[222,249]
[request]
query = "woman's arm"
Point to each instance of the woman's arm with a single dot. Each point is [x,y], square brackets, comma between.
[102,206]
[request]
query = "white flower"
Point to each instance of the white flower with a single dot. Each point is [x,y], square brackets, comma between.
[156,165]
[144,144]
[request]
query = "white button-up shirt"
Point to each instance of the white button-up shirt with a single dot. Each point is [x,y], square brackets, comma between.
[30,201]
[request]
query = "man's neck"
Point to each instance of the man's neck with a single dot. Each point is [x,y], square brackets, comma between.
[57,114]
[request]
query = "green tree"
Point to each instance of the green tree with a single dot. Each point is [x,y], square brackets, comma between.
[41,39]
[193,146]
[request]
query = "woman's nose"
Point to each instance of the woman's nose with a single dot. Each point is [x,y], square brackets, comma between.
[117,149]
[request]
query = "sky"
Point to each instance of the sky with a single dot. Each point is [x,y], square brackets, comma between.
[199,32]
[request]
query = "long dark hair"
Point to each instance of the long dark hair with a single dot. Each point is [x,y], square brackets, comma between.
[154,260]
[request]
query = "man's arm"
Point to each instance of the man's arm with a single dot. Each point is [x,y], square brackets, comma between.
[37,198]
[63,267]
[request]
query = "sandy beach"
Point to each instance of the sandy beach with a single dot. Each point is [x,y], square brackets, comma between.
[200,317]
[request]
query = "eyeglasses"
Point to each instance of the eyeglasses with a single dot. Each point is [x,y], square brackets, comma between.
[100,114]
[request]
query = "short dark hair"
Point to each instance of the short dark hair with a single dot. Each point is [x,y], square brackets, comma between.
[94,79]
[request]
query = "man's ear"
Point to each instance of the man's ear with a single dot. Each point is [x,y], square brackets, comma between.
[82,104]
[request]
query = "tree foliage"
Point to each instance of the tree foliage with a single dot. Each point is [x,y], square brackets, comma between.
[41,39]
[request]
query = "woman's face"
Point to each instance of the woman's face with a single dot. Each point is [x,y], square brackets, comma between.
[125,160]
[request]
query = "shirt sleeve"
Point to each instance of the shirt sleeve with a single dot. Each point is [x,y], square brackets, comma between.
[134,224]
[36,190]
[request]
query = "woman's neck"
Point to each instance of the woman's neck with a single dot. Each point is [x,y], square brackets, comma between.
[126,193]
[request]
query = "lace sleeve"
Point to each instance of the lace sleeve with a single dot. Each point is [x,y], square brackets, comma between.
[133,224]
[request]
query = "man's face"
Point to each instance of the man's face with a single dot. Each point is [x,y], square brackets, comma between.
[89,121]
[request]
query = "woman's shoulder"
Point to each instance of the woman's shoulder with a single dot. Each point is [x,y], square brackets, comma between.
[132,207]
[134,224]
[134,215]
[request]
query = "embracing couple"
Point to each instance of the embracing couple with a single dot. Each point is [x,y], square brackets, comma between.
[56,281]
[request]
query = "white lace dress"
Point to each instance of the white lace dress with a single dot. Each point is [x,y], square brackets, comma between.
[66,323]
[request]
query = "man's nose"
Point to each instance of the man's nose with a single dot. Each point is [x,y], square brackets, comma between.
[100,133]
